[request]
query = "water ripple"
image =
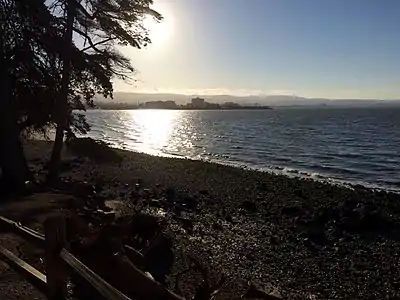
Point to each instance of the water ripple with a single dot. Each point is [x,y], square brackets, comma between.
[350,145]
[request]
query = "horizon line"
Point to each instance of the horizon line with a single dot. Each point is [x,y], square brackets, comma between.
[255,95]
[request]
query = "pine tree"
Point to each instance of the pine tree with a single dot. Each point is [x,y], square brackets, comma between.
[48,71]
[102,25]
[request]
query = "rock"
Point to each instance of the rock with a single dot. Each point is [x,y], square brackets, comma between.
[262,186]
[106,216]
[66,166]
[95,150]
[170,193]
[186,224]
[255,292]
[160,258]
[229,219]
[74,203]
[146,226]
[249,206]
[317,235]
[156,203]
[134,195]
[291,211]
[204,192]
[98,187]
[191,202]
[217,226]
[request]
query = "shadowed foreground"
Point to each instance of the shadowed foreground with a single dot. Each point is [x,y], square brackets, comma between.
[298,238]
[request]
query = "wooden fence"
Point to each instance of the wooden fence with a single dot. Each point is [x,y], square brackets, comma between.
[59,261]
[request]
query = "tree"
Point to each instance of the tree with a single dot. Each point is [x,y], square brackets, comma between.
[33,54]
[101,25]
[29,79]
[15,65]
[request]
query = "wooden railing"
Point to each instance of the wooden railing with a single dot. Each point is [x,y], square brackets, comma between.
[59,261]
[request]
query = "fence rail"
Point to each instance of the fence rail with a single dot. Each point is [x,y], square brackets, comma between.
[28,234]
[35,277]
[57,258]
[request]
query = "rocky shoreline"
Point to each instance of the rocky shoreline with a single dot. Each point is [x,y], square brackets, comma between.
[294,237]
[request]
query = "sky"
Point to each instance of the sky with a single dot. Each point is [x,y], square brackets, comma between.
[311,48]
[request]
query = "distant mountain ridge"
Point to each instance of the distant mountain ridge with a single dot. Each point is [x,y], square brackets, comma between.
[273,100]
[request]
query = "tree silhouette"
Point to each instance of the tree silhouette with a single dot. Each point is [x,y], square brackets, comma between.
[17,81]
[102,25]
[55,57]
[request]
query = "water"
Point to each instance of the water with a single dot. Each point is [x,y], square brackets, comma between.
[359,146]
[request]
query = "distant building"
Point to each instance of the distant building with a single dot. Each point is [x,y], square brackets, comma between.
[198,102]
[231,105]
[159,105]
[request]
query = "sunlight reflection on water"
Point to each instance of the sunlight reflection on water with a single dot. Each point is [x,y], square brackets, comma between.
[153,128]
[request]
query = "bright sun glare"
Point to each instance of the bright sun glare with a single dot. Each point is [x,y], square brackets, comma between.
[159,31]
[156,128]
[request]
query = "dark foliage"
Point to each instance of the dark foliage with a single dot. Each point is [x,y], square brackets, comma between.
[34,51]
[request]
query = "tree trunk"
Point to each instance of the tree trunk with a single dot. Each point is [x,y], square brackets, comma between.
[12,160]
[62,114]
[13,165]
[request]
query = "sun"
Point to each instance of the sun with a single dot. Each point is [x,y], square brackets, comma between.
[159,31]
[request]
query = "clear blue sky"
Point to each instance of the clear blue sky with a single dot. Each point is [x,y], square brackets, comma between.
[314,48]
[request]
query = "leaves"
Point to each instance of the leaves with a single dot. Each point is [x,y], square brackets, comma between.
[32,47]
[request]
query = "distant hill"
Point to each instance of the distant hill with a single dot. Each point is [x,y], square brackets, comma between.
[272,100]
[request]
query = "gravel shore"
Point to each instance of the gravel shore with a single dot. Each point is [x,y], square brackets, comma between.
[301,238]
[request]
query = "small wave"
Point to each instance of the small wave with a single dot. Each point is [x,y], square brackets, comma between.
[350,155]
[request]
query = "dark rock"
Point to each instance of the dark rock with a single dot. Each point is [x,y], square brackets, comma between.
[95,150]
[291,211]
[146,226]
[134,195]
[256,292]
[274,240]
[107,216]
[251,257]
[204,192]
[74,203]
[160,258]
[66,166]
[186,224]
[323,217]
[170,193]
[299,193]
[190,202]
[249,206]
[317,235]
[217,226]
[229,219]
[98,187]
[156,203]
[262,186]
[348,205]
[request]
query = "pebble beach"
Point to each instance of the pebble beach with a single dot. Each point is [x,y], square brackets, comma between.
[297,238]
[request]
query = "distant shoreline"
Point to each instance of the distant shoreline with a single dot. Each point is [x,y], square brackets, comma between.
[180,108]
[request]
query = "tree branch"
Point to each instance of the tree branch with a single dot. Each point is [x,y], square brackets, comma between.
[83,10]
[87,37]
[98,43]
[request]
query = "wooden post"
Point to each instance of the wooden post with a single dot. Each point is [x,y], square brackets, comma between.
[56,274]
